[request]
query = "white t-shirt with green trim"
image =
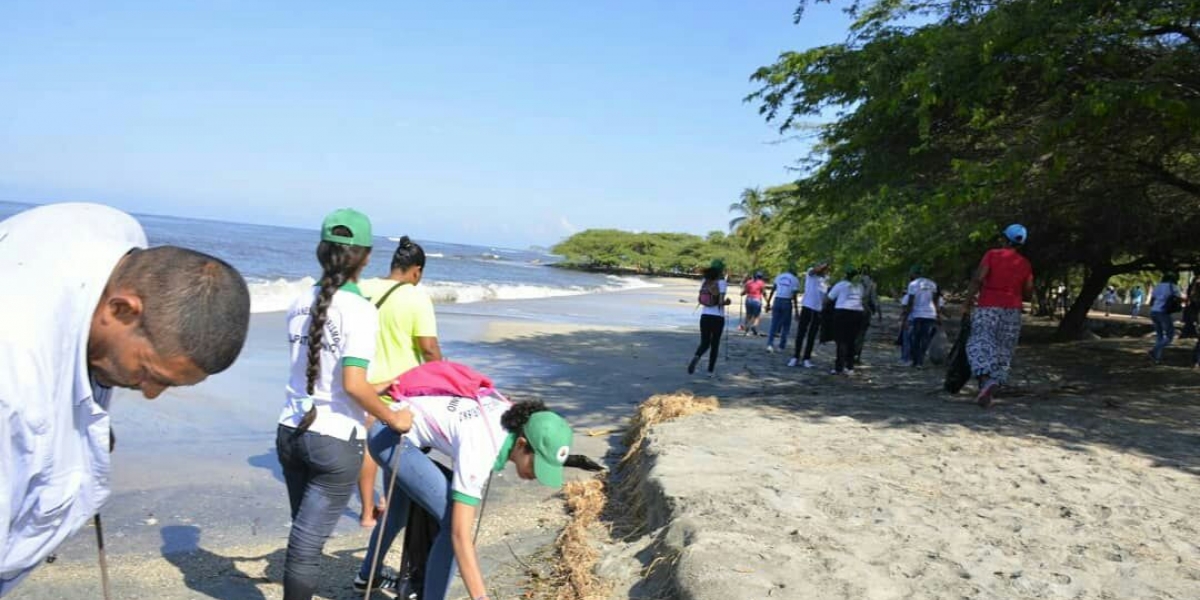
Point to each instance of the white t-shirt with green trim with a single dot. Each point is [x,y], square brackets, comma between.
[457,427]
[351,328]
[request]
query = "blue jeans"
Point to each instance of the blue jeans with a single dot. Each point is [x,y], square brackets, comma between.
[321,473]
[920,332]
[1164,332]
[906,341]
[781,321]
[753,308]
[421,481]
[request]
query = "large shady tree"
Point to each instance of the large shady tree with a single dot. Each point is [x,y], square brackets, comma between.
[1079,119]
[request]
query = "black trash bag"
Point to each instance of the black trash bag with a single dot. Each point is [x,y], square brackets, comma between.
[579,461]
[827,328]
[958,368]
[420,531]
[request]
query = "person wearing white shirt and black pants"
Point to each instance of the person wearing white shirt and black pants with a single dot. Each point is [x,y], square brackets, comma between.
[712,317]
[782,300]
[847,299]
[91,309]
[810,314]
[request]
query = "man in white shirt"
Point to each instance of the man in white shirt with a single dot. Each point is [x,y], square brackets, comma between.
[815,286]
[921,315]
[90,309]
[782,300]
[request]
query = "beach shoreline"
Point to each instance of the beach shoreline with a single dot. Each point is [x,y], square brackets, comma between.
[196,481]
[198,515]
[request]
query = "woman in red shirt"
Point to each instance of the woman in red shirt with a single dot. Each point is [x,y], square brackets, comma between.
[994,301]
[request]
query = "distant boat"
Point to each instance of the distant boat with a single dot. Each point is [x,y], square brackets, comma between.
[435,255]
[490,256]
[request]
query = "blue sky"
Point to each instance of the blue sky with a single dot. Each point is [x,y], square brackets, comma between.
[511,123]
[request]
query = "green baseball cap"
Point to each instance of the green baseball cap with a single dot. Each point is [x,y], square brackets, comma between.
[358,224]
[549,437]
[717,264]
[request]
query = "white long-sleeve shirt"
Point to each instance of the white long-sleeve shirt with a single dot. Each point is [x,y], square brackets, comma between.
[54,428]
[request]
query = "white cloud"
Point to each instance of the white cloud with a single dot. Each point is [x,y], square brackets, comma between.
[567,226]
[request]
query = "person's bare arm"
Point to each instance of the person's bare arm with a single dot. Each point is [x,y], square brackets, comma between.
[430,350]
[354,380]
[462,519]
[976,283]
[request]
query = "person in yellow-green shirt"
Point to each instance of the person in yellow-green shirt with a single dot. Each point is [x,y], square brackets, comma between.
[407,338]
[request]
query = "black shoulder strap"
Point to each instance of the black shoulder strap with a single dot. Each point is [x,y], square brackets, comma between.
[384,298]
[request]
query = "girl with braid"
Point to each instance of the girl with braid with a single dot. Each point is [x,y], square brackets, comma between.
[331,331]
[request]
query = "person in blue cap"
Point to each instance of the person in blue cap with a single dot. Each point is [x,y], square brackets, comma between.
[995,300]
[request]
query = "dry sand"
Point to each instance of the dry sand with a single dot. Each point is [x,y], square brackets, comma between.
[1082,483]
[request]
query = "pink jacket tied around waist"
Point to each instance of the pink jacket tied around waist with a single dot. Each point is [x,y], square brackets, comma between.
[441,378]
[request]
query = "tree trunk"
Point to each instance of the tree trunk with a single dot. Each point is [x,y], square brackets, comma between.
[1074,323]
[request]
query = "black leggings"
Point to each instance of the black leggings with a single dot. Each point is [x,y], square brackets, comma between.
[810,325]
[846,324]
[711,327]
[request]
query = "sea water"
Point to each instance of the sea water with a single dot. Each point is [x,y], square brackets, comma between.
[280,262]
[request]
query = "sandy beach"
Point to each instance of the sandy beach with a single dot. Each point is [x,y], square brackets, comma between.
[1079,484]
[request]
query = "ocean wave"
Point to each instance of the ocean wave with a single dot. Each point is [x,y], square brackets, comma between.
[277,295]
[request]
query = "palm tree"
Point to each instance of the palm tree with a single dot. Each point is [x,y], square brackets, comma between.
[750,224]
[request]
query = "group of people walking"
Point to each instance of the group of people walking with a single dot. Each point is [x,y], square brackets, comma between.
[842,313]
[1000,285]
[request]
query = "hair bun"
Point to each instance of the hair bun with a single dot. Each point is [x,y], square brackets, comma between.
[405,242]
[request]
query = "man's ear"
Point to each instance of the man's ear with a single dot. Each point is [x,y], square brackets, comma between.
[124,307]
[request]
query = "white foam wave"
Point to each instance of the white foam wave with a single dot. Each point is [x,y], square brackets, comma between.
[277,295]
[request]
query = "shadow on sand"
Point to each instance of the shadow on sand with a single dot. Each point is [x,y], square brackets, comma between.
[1103,392]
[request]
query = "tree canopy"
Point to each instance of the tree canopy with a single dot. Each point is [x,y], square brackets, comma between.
[649,253]
[1080,120]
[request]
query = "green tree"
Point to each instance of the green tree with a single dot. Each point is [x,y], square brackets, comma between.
[750,226]
[1079,119]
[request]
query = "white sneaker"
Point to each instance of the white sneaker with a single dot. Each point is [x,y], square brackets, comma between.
[791,362]
[712,374]
[808,364]
[770,349]
[849,372]
[834,372]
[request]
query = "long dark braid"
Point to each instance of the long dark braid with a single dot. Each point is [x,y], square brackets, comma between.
[339,263]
